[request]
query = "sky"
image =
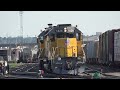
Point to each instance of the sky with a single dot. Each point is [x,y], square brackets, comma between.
[89,22]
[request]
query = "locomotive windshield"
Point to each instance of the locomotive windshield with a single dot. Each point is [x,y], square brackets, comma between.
[41,39]
[65,35]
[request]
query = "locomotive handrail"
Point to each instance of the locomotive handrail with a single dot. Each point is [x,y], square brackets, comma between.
[41,50]
[53,52]
[59,51]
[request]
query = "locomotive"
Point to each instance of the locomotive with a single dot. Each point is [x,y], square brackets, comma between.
[60,49]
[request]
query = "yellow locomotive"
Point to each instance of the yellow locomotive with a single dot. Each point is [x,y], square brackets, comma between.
[60,48]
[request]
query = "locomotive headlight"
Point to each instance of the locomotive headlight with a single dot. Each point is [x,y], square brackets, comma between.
[78,58]
[44,60]
[59,58]
[65,29]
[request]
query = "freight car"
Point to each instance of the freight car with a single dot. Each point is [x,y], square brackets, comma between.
[25,56]
[108,40]
[109,51]
[117,48]
[60,48]
[92,52]
[4,53]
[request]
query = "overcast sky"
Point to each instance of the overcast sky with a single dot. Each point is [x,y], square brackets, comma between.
[89,22]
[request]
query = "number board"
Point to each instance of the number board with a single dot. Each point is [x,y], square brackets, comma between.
[70,29]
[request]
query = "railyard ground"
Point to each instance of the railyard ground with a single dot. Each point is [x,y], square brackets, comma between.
[111,73]
[106,70]
[13,65]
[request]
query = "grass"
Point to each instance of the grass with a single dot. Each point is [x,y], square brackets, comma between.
[13,65]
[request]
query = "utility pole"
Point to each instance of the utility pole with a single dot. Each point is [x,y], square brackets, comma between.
[21,29]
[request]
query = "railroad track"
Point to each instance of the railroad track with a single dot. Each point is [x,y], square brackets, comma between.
[49,74]
[31,71]
[103,70]
[27,70]
[17,77]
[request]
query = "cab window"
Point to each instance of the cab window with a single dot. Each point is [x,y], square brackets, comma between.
[41,39]
[78,36]
[52,37]
[69,35]
[65,35]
